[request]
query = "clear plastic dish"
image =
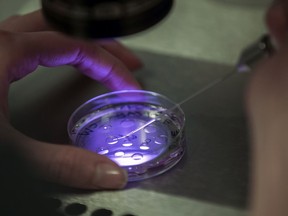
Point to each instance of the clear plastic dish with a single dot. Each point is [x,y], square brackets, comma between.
[108,125]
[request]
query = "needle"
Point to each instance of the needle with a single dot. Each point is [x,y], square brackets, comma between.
[249,57]
[202,90]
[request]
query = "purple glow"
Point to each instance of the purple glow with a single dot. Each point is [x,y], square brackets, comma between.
[139,148]
[131,131]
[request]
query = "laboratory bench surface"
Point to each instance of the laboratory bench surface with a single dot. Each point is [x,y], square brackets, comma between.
[197,43]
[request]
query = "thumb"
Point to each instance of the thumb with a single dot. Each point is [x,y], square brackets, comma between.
[76,167]
[65,164]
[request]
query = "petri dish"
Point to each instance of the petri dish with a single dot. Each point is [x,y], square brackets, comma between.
[142,131]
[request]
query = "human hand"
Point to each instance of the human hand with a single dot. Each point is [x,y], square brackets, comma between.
[22,50]
[267,110]
[35,22]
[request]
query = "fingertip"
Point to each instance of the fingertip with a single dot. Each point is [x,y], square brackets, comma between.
[276,23]
[109,176]
[121,79]
[124,54]
[124,85]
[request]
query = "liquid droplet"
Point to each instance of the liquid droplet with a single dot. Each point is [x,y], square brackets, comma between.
[103,152]
[144,147]
[127,144]
[119,154]
[137,156]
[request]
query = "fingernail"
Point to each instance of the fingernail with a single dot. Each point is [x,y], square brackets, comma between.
[110,176]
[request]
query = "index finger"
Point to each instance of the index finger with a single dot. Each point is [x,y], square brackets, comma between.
[53,49]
